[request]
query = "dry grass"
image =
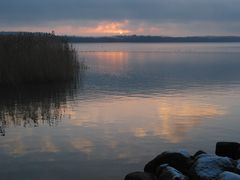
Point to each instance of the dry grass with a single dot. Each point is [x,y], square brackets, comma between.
[37,58]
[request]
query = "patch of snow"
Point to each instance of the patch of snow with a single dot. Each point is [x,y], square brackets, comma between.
[175,173]
[210,166]
[168,172]
[185,153]
[164,165]
[226,175]
[238,164]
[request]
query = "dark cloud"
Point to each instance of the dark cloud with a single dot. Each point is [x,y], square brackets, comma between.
[37,12]
[23,11]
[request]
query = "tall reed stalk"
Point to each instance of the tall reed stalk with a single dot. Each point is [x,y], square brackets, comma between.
[37,58]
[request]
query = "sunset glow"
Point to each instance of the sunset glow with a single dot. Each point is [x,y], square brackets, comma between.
[96,18]
[119,89]
[123,27]
[109,28]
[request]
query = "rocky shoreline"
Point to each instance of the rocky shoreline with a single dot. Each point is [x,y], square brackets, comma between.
[223,165]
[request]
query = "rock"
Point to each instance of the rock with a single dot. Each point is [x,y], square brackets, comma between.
[198,153]
[226,175]
[185,153]
[207,167]
[229,149]
[165,172]
[140,176]
[173,159]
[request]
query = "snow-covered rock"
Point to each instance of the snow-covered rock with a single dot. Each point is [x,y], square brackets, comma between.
[140,176]
[174,159]
[238,164]
[165,172]
[198,153]
[208,166]
[226,175]
[185,153]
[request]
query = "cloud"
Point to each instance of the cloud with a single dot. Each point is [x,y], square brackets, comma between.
[153,10]
[105,15]
[107,28]
[97,28]
[127,27]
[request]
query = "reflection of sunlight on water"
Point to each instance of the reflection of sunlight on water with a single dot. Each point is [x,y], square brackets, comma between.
[109,62]
[170,118]
[140,132]
[47,145]
[131,106]
[104,121]
[82,145]
[17,147]
[178,117]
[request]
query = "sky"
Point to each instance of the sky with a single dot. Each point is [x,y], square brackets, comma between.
[122,17]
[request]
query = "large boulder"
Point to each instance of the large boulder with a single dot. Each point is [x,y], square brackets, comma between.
[140,176]
[208,167]
[185,153]
[198,153]
[226,175]
[176,160]
[165,172]
[229,149]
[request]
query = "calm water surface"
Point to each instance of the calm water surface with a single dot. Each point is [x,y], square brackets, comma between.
[134,101]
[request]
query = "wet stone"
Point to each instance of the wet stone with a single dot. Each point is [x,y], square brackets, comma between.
[174,159]
[140,176]
[229,149]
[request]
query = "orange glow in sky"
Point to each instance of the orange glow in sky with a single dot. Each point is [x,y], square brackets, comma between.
[108,28]
[103,28]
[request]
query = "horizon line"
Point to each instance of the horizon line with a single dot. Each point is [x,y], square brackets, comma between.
[117,35]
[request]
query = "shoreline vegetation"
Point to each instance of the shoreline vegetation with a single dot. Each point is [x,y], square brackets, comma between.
[36,58]
[153,39]
[143,38]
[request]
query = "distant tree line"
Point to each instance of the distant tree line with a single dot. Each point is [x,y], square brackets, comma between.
[152,39]
[139,38]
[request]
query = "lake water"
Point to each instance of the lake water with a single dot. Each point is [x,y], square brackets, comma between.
[134,102]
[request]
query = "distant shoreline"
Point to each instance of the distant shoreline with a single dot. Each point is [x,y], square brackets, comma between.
[154,39]
[141,38]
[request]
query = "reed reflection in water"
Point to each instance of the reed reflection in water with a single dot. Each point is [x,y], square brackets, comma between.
[33,105]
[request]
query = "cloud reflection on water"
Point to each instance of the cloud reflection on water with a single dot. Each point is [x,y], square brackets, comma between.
[82,144]
[170,118]
[179,117]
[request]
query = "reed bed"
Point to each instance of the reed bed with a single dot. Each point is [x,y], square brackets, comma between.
[37,58]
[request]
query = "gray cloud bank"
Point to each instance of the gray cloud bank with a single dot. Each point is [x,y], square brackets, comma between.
[35,12]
